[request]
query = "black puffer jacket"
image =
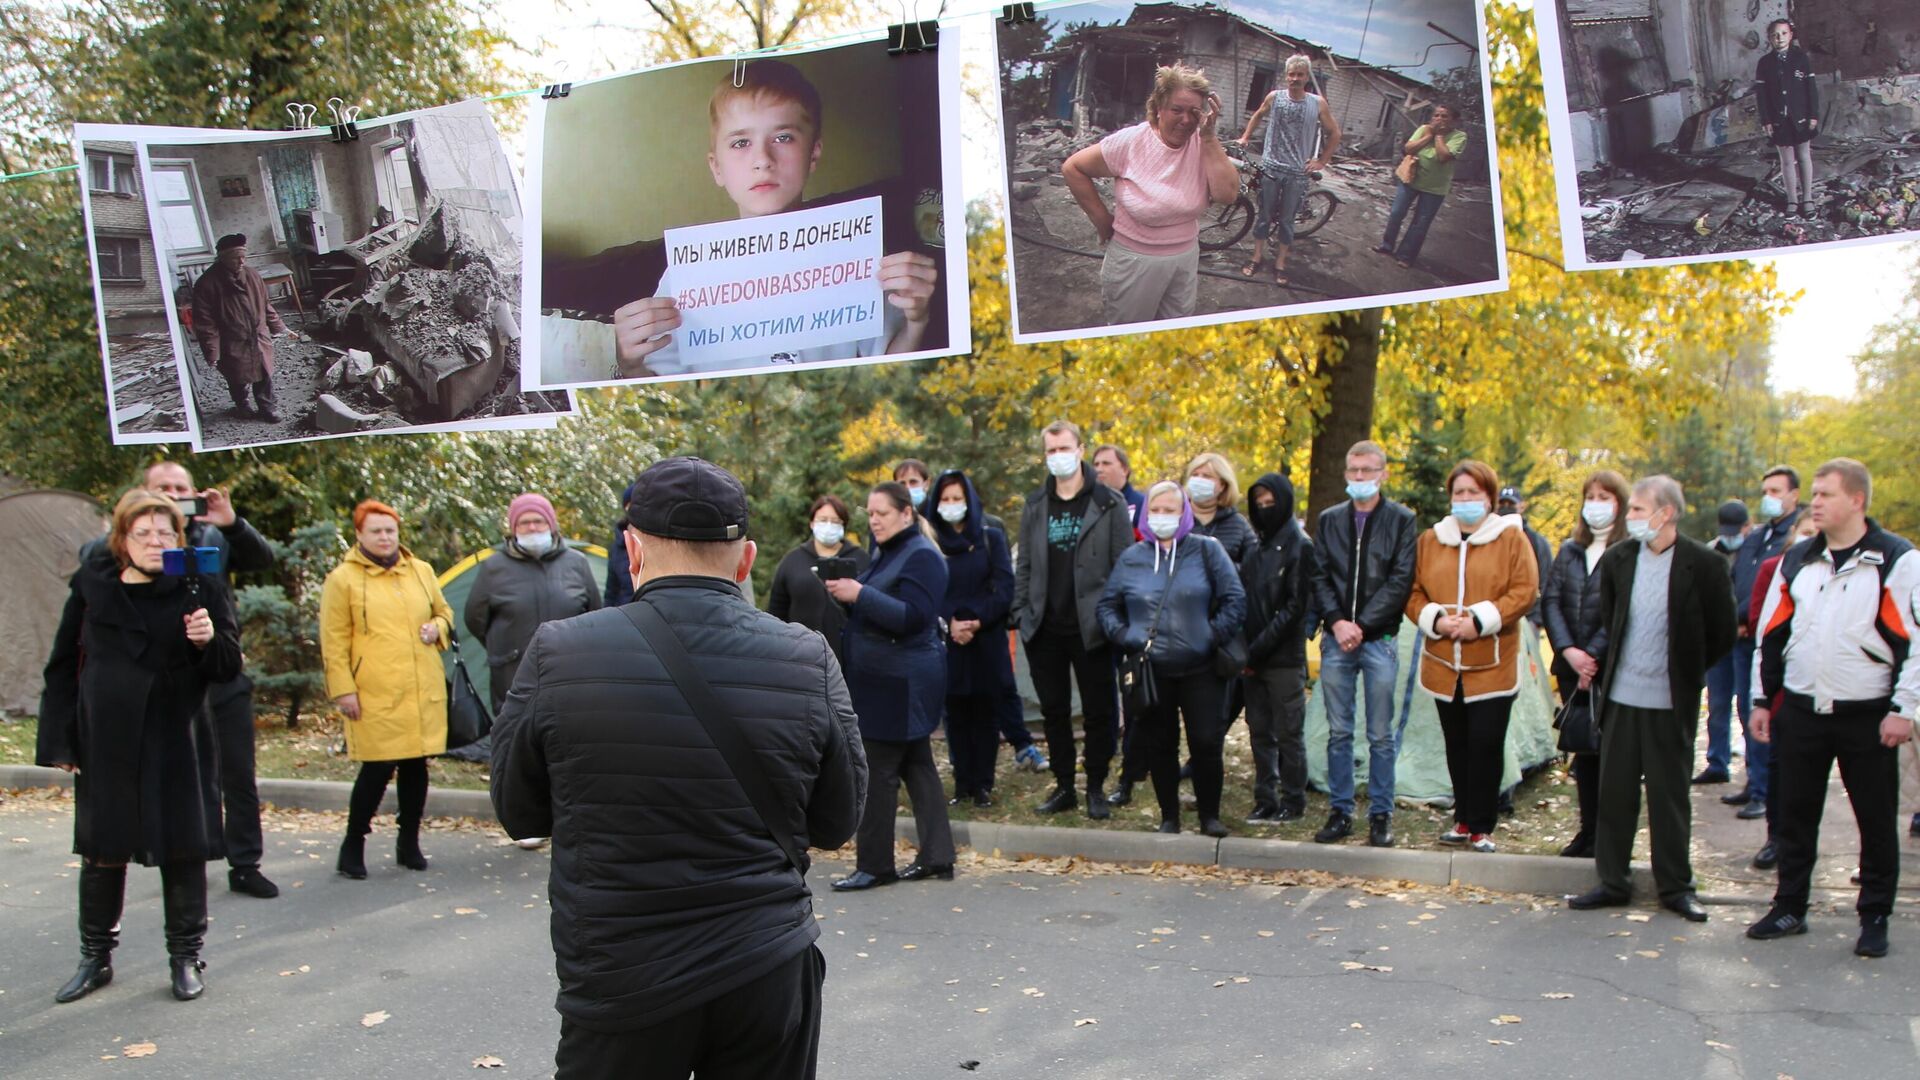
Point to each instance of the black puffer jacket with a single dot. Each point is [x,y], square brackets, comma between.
[667,889]
[515,592]
[1278,576]
[1376,596]
[1233,530]
[1570,603]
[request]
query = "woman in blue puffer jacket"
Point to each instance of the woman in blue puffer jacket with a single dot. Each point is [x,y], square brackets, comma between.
[1176,598]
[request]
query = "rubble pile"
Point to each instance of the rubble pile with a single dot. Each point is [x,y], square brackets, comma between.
[432,341]
[1732,199]
[146,384]
[1038,150]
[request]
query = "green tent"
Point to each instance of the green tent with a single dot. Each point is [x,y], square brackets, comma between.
[457,582]
[1420,772]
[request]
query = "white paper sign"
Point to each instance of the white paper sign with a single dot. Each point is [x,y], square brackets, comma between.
[762,286]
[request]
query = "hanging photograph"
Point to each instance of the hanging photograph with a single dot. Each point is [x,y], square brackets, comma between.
[1187,164]
[146,400]
[1689,132]
[369,285]
[722,217]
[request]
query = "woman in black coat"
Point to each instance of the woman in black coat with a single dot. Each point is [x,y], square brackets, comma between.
[1790,113]
[125,711]
[896,670]
[799,595]
[979,666]
[1569,605]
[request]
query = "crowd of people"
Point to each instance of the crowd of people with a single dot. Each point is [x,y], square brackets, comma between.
[1172,611]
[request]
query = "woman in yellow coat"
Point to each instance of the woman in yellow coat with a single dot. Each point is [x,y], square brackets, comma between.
[383,625]
[1474,578]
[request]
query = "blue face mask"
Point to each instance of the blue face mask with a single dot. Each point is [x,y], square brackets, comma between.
[535,543]
[1470,513]
[1200,489]
[918,495]
[1362,490]
[1642,530]
[1771,506]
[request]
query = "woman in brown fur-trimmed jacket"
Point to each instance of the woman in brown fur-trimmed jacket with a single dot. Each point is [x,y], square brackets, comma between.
[1474,578]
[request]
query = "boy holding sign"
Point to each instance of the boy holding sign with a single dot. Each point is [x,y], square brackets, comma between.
[765,144]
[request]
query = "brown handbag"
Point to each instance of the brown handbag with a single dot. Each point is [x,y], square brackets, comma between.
[1408,167]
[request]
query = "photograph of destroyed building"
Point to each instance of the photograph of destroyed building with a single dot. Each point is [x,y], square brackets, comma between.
[392,259]
[143,378]
[1660,145]
[1083,71]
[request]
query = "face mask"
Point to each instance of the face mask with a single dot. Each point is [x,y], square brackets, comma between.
[1642,530]
[916,495]
[1598,513]
[952,513]
[1470,513]
[1770,507]
[1163,525]
[535,543]
[1201,489]
[1269,519]
[828,533]
[1362,490]
[1063,464]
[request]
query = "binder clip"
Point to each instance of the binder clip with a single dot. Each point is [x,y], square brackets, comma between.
[1015,14]
[301,114]
[344,128]
[920,35]
[556,90]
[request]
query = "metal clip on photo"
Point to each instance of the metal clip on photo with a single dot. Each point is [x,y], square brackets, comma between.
[301,114]
[344,115]
[556,90]
[1015,14]
[920,35]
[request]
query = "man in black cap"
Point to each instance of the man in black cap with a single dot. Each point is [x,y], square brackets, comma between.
[235,324]
[683,751]
[1720,684]
[1510,503]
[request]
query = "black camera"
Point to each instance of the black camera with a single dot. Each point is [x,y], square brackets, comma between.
[192,507]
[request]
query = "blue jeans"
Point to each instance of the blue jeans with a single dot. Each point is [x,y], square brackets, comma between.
[1340,671]
[1720,697]
[1425,206]
[1757,751]
[1280,195]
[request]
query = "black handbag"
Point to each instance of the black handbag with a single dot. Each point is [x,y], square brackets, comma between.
[468,718]
[1138,686]
[1579,732]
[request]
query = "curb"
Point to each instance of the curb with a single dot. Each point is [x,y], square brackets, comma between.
[1537,874]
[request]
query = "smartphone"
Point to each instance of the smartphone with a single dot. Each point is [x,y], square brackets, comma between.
[192,507]
[187,561]
[836,568]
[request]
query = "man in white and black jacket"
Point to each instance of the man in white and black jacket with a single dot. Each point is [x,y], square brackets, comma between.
[1836,633]
[1841,614]
[682,931]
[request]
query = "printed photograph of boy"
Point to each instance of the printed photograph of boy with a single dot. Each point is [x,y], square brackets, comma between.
[776,135]
[1687,132]
[1184,164]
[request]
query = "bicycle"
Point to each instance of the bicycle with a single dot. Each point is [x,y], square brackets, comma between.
[1229,224]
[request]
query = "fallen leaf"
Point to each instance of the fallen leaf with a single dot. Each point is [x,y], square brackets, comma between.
[981,1009]
[1220,984]
[1557,995]
[1648,953]
[489,1062]
[1506,1018]
[21,840]
[1263,933]
[375,1019]
[1425,915]
[1718,1045]
[139,1050]
[909,946]
[1085,1021]
[953,982]
[1639,918]
[1161,930]
[1498,1042]
[466,911]
[1034,991]
[1355,1027]
[970,1064]
[1241,979]
[861,955]
[1356,903]
[1355,965]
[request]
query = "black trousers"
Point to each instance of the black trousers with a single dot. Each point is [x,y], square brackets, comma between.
[973,740]
[1476,734]
[1656,744]
[1806,745]
[1584,767]
[1276,722]
[1199,699]
[768,1029]
[1054,659]
[232,707]
[262,391]
[371,786]
[889,763]
[1012,715]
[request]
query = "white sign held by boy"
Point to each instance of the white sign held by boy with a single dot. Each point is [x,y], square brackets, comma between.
[766,286]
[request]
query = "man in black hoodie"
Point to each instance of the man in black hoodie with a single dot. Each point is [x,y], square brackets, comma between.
[1278,575]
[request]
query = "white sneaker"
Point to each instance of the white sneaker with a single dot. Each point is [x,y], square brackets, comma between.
[531,843]
[1481,842]
[1456,835]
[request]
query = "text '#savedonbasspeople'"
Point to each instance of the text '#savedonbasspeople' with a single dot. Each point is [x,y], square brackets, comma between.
[770,286]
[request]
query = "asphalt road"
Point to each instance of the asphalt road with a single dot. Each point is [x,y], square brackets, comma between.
[1187,975]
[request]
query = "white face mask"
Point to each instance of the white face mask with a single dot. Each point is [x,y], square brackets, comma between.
[535,543]
[1642,530]
[1201,489]
[828,533]
[1163,525]
[1597,513]
[952,513]
[1063,464]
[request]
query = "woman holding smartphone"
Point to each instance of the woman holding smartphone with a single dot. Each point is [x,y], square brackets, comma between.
[799,592]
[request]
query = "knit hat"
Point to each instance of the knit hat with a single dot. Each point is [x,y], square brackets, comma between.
[535,504]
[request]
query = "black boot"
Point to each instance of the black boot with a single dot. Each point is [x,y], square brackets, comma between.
[352,862]
[102,891]
[413,804]
[183,892]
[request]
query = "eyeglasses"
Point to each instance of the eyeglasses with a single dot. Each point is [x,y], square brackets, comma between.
[1361,472]
[148,536]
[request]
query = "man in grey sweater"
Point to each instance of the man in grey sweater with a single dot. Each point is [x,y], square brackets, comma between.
[1666,616]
